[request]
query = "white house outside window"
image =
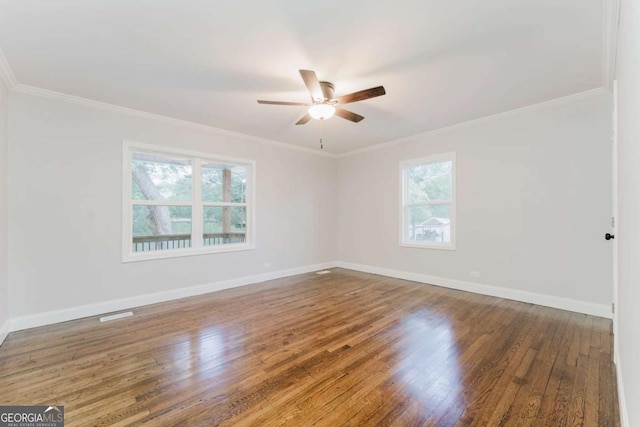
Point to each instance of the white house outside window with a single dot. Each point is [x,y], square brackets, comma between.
[179,203]
[428,202]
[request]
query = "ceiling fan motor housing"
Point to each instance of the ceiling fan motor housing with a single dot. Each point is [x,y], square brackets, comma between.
[327,91]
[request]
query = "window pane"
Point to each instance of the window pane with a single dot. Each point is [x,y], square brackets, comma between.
[429,224]
[429,182]
[161,227]
[224,225]
[224,183]
[158,177]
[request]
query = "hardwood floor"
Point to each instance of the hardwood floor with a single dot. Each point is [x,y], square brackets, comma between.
[344,348]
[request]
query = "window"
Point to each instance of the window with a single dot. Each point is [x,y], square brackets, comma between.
[178,203]
[428,202]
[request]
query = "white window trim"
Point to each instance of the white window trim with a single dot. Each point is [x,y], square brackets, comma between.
[127,233]
[451,156]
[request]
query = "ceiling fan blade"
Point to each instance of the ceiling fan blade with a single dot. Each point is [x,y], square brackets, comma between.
[349,115]
[260,101]
[313,84]
[361,95]
[304,119]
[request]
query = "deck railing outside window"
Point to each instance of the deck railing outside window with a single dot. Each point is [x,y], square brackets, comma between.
[177,241]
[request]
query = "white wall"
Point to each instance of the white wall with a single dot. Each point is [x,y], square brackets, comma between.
[628,76]
[65,208]
[534,201]
[533,205]
[4,284]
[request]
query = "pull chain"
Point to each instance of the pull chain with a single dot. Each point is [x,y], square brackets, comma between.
[321,132]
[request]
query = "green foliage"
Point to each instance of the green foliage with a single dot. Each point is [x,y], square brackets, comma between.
[213,219]
[212,183]
[429,183]
[173,180]
[142,218]
[420,214]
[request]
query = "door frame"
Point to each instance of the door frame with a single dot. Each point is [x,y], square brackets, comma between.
[614,213]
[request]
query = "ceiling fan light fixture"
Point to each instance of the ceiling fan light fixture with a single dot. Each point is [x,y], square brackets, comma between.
[323,103]
[322,111]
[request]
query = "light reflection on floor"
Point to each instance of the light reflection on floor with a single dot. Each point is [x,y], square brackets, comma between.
[204,354]
[427,362]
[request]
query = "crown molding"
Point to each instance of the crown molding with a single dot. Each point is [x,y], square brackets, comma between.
[72,99]
[6,73]
[98,105]
[553,102]
[610,23]
[611,12]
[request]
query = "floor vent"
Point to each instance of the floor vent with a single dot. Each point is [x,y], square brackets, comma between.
[323,272]
[116,316]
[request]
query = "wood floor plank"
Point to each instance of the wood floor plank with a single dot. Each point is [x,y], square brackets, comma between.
[345,348]
[490,384]
[607,408]
[576,414]
[526,404]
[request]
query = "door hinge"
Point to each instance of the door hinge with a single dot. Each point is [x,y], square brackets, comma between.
[613,307]
[613,221]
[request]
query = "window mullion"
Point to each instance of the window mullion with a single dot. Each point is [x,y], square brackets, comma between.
[430,203]
[197,226]
[224,204]
[405,223]
[159,203]
[127,194]
[248,201]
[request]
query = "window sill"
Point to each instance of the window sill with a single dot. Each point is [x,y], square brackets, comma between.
[154,255]
[427,246]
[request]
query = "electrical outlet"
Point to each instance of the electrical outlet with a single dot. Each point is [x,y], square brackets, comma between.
[475,274]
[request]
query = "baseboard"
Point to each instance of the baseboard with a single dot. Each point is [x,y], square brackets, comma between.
[73,313]
[622,400]
[4,330]
[600,310]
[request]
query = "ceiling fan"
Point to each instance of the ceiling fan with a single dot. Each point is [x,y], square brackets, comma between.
[323,105]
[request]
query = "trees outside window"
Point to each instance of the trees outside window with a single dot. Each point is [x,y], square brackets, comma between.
[179,203]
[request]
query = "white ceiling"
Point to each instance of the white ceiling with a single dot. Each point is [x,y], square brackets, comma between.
[442,62]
